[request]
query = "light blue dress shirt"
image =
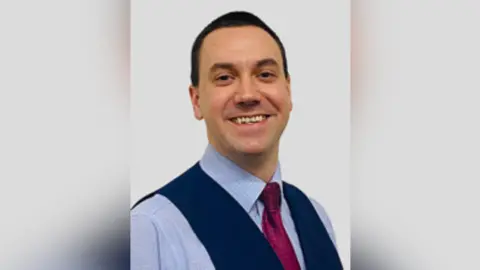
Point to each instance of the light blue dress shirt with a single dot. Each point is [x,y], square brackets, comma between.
[161,237]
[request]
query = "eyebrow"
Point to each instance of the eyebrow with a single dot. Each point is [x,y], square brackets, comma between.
[231,66]
[267,62]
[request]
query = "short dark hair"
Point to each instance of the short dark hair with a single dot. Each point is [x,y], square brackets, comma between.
[231,19]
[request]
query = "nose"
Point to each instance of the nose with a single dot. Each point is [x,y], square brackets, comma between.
[247,94]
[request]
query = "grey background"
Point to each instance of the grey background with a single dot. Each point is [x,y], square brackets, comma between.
[166,139]
[64,109]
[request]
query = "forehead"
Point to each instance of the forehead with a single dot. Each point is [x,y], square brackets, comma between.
[238,45]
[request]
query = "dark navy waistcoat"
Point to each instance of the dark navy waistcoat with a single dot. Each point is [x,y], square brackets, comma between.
[231,237]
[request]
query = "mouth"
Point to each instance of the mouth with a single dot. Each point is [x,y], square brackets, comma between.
[250,120]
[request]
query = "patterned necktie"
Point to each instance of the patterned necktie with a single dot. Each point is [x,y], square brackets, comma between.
[273,227]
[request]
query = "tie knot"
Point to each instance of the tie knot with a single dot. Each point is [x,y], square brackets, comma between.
[271,197]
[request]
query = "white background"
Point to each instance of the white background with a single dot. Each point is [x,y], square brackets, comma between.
[315,147]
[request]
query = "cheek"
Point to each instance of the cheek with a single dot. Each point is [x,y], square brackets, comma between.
[213,105]
[280,99]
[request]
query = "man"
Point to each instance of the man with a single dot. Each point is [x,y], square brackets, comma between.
[231,210]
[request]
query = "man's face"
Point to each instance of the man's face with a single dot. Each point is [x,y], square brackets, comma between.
[243,93]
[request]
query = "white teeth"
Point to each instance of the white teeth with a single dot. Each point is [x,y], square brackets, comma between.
[248,120]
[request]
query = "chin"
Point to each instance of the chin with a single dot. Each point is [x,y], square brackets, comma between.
[251,148]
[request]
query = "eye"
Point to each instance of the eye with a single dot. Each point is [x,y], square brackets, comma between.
[266,75]
[223,78]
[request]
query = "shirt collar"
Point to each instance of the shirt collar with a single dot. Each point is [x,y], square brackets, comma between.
[244,187]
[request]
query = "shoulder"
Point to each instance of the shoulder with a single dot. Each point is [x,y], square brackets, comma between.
[319,209]
[159,234]
[157,210]
[158,218]
[145,218]
[157,224]
[322,213]
[151,206]
[156,206]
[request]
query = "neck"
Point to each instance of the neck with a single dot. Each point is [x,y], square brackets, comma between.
[262,165]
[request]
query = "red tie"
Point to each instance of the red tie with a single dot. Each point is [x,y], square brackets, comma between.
[273,227]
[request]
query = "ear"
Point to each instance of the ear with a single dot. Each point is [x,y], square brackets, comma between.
[289,93]
[194,98]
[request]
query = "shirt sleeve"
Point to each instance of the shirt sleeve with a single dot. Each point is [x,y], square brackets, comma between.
[144,243]
[325,219]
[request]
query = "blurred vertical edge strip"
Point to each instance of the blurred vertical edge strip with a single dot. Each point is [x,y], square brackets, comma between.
[64,142]
[415,134]
[372,247]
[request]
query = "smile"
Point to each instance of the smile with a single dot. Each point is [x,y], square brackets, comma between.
[249,119]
